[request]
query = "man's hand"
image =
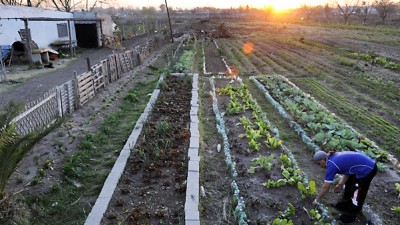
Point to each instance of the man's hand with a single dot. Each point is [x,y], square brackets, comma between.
[339,187]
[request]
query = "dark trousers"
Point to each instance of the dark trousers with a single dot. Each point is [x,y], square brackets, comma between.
[363,186]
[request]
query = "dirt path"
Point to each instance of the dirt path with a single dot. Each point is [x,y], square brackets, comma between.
[39,81]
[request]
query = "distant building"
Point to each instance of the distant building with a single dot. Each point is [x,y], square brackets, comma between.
[49,29]
[43,33]
[49,26]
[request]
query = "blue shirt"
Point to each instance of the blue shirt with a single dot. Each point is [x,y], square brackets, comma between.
[348,163]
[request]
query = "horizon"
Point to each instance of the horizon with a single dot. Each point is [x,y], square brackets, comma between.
[277,5]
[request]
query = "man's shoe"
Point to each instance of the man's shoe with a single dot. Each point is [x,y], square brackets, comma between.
[343,205]
[347,217]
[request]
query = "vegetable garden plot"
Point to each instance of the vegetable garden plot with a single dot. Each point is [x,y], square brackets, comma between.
[355,95]
[182,61]
[266,178]
[153,186]
[326,130]
[213,61]
[215,202]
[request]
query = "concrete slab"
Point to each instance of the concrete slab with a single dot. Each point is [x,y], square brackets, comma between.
[194,142]
[195,119]
[193,152]
[194,127]
[194,109]
[94,217]
[192,215]
[102,201]
[194,166]
[194,158]
[194,103]
[192,222]
[193,179]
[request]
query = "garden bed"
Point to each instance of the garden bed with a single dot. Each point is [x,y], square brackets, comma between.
[153,186]
[321,129]
[213,61]
[261,168]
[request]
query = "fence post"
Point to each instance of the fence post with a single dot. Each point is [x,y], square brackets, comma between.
[59,101]
[94,86]
[68,101]
[88,63]
[76,91]
[118,64]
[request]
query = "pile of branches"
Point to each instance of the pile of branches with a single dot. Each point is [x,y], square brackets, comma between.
[221,32]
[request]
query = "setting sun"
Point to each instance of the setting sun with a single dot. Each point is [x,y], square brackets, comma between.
[282,5]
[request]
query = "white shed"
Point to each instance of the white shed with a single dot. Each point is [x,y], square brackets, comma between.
[43,33]
[32,31]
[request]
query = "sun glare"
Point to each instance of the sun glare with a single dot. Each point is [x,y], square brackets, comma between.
[278,5]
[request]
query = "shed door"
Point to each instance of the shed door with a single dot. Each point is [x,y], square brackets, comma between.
[86,35]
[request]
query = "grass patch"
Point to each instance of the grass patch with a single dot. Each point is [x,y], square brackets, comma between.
[346,62]
[85,171]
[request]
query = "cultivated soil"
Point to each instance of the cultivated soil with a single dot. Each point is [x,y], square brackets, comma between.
[270,56]
[151,191]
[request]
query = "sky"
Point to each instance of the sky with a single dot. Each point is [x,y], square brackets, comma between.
[187,4]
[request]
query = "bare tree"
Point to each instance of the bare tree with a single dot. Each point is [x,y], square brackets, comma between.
[11,2]
[94,4]
[267,11]
[385,9]
[29,3]
[163,8]
[36,3]
[306,11]
[64,5]
[347,8]
[365,10]
[327,10]
[149,14]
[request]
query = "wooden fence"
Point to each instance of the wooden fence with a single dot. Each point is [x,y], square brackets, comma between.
[73,94]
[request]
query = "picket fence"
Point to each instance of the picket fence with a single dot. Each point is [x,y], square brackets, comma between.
[73,94]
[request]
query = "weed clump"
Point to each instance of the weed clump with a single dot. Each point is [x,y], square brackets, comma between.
[131,97]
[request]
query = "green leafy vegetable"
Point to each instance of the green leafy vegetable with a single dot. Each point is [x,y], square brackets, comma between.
[305,191]
[262,162]
[289,212]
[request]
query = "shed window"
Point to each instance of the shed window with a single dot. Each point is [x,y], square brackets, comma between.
[62,30]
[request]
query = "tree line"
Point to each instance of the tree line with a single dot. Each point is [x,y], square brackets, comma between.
[346,9]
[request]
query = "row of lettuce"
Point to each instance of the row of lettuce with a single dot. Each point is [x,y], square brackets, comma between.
[317,126]
[260,135]
[326,130]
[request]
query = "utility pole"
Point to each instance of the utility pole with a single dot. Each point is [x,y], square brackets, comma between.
[169,20]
